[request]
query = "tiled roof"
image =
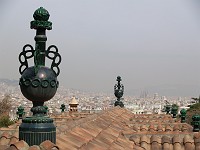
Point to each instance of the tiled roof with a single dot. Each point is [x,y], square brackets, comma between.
[9,140]
[177,142]
[113,129]
[98,131]
[22,145]
[151,118]
[172,127]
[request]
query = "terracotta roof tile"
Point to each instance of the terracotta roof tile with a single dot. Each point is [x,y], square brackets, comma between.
[64,144]
[4,147]
[13,140]
[34,147]
[185,128]
[135,128]
[176,128]
[151,128]
[168,128]
[11,148]
[143,128]
[112,131]
[166,139]
[145,139]
[48,145]
[75,140]
[82,132]
[93,146]
[155,138]
[176,139]
[136,140]
[102,141]
[116,146]
[159,127]
[189,142]
[105,136]
[197,140]
[135,147]
[5,134]
[4,140]
[156,143]
[91,129]
[20,145]
[124,142]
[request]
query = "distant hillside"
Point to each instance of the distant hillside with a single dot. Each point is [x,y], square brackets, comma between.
[162,90]
[9,82]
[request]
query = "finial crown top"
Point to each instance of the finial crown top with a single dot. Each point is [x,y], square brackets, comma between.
[41,14]
[119,78]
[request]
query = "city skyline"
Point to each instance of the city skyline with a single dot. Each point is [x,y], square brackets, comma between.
[150,44]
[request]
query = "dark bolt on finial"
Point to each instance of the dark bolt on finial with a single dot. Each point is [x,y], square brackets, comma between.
[62,107]
[183,115]
[39,83]
[195,122]
[20,112]
[119,91]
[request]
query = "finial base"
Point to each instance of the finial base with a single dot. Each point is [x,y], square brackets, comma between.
[43,131]
[119,103]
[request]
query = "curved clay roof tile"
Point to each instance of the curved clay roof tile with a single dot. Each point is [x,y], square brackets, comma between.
[145,138]
[176,139]
[176,127]
[188,139]
[22,145]
[5,134]
[166,139]
[155,138]
[168,128]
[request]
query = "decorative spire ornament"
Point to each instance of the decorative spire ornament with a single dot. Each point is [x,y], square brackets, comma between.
[39,83]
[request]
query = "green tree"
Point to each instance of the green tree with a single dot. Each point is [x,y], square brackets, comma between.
[196,99]
[5,105]
[5,121]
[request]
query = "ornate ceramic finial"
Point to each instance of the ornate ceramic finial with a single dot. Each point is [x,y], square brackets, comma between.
[183,115]
[174,111]
[20,112]
[195,122]
[39,83]
[119,91]
[168,108]
[62,107]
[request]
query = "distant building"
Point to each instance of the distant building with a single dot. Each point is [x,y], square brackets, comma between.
[73,105]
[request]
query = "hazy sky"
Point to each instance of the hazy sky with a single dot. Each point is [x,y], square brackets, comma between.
[151,44]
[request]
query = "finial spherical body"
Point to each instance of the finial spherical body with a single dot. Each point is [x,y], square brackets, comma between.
[38,87]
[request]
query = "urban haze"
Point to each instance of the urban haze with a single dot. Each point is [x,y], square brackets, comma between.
[153,45]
